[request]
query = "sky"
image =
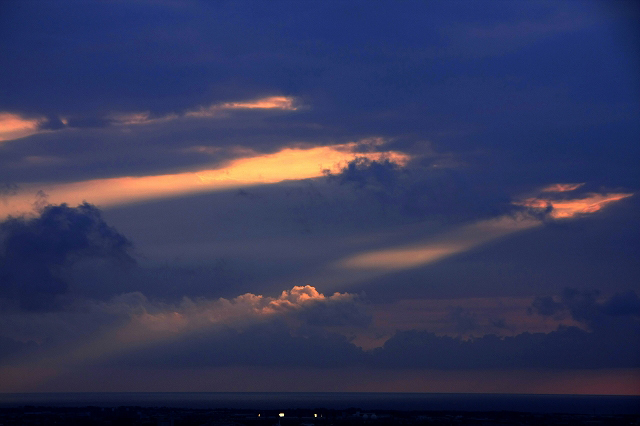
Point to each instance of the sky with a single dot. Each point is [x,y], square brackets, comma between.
[419,196]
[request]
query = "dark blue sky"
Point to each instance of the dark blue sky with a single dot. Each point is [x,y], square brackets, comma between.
[398,153]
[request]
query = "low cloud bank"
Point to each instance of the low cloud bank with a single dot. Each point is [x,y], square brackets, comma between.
[610,344]
[300,326]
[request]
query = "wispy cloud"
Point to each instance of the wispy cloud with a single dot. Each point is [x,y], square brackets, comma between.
[256,169]
[437,248]
[285,103]
[14,126]
[216,110]
[570,208]
[136,118]
[562,187]
[373,263]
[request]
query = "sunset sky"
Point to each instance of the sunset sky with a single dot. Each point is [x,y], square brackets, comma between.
[416,196]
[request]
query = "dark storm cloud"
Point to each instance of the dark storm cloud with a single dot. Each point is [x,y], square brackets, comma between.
[34,252]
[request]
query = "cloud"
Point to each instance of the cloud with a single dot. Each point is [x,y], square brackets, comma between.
[137,118]
[607,339]
[14,126]
[252,169]
[130,329]
[283,103]
[589,307]
[303,305]
[562,187]
[259,345]
[290,330]
[217,110]
[545,306]
[622,304]
[8,189]
[567,347]
[440,247]
[569,208]
[35,252]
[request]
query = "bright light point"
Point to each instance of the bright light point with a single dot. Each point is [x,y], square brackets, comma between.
[281,415]
[315,415]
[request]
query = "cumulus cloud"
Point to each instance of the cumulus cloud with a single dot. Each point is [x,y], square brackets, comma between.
[34,252]
[300,306]
[249,329]
[295,328]
[258,330]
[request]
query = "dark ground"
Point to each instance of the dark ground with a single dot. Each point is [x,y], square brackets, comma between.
[146,416]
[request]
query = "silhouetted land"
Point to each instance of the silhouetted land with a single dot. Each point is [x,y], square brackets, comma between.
[146,416]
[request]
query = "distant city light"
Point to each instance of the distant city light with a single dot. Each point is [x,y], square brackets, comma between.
[281,415]
[315,415]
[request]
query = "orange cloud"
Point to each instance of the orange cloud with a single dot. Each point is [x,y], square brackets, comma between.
[285,103]
[294,163]
[562,187]
[565,209]
[287,164]
[450,243]
[13,126]
[370,264]
[136,118]
[272,102]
